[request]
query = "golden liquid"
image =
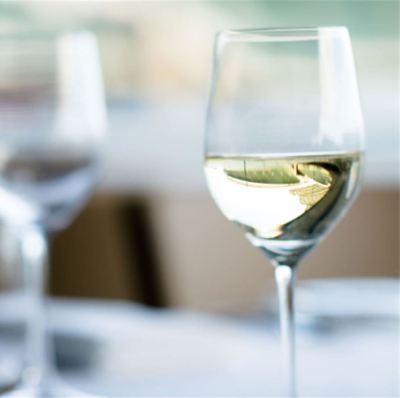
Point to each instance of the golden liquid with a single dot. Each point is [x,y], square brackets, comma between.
[284,198]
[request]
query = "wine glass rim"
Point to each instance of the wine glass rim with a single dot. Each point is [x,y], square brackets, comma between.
[281,33]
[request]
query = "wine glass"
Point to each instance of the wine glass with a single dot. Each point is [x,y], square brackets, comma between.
[52,130]
[284,145]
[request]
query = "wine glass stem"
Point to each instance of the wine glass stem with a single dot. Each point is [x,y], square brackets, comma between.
[285,277]
[34,249]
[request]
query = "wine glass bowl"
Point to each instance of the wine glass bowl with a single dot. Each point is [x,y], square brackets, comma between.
[52,129]
[284,144]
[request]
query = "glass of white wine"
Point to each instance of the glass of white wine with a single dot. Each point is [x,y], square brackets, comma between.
[284,145]
[52,132]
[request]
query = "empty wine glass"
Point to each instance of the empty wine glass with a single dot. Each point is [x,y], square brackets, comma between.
[52,130]
[284,145]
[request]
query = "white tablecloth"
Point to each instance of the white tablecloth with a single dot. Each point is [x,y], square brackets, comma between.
[118,349]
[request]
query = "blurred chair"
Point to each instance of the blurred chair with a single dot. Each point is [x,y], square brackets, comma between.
[108,253]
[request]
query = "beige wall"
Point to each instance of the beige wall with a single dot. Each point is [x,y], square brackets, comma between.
[201,260]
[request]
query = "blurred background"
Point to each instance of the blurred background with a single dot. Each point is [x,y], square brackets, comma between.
[151,234]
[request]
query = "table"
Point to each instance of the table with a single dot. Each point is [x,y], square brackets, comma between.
[119,349]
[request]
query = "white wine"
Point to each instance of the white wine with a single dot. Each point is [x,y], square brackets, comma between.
[282,199]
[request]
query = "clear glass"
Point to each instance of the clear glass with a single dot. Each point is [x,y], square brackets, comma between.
[52,130]
[284,145]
